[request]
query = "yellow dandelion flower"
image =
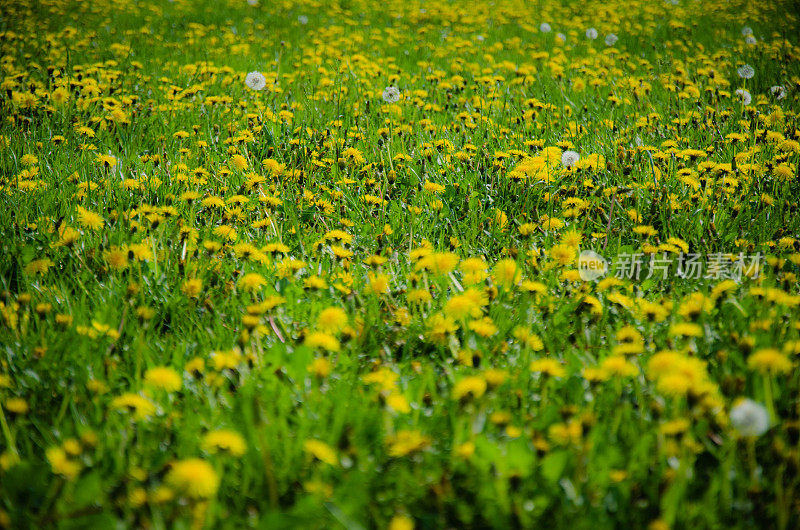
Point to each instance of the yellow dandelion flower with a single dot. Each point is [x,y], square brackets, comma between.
[401,522]
[769,361]
[163,378]
[325,341]
[320,367]
[332,320]
[471,386]
[378,283]
[16,405]
[321,451]
[619,366]
[406,442]
[549,367]
[506,273]
[194,478]
[192,287]
[224,440]
[61,464]
[484,327]
[140,407]
[438,263]
[252,282]
[239,162]
[686,329]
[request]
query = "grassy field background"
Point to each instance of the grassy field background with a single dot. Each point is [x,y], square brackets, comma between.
[351,297]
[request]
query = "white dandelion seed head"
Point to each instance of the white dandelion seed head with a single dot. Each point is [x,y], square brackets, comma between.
[561,37]
[252,2]
[746,71]
[391,94]
[746,31]
[569,158]
[591,33]
[302,19]
[777,91]
[611,39]
[744,96]
[750,40]
[750,418]
[544,27]
[256,81]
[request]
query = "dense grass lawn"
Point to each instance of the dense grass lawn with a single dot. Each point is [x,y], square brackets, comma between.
[404,264]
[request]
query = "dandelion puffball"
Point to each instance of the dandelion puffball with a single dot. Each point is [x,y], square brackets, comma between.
[391,94]
[744,96]
[591,33]
[750,418]
[778,92]
[611,39]
[544,27]
[746,71]
[256,81]
[569,158]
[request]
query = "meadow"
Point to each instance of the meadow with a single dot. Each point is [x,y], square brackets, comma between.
[402,264]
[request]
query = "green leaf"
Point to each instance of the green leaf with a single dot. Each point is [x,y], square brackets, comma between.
[553,465]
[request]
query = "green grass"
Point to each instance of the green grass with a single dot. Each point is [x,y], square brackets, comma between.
[444,393]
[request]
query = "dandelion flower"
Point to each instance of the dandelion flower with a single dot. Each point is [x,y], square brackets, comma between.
[239,162]
[61,464]
[749,418]
[484,327]
[164,378]
[107,161]
[326,341]
[321,451]
[378,283]
[777,91]
[563,254]
[548,366]
[141,407]
[16,405]
[406,442]
[332,319]
[224,440]
[506,272]
[252,282]
[192,287]
[569,158]
[256,81]
[769,360]
[744,96]
[746,71]
[472,386]
[194,478]
[391,94]
[60,96]
[401,522]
